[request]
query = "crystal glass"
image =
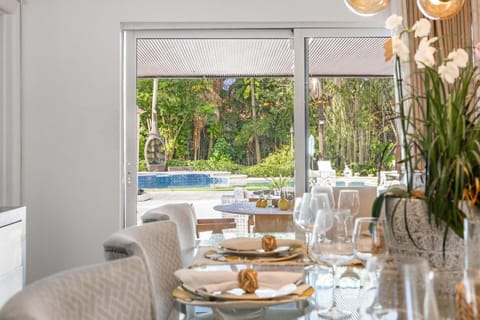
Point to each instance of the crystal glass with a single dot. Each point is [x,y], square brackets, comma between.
[368,239]
[325,189]
[349,199]
[440,9]
[331,244]
[404,289]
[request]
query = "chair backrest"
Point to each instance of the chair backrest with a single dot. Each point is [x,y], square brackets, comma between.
[183,214]
[110,290]
[158,245]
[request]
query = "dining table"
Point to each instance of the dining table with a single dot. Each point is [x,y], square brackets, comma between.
[270,219]
[316,283]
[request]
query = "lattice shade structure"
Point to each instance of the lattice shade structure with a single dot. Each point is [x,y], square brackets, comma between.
[218,58]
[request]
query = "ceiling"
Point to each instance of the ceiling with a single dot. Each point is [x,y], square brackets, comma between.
[186,58]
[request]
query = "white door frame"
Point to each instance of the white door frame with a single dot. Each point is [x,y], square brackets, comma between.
[299,35]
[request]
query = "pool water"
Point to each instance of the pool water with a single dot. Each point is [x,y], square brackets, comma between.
[180,180]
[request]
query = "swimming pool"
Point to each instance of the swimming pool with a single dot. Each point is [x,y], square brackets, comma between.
[158,180]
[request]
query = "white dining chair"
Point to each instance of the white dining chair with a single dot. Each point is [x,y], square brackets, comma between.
[116,290]
[157,243]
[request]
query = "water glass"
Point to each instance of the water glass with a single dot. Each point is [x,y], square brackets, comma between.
[471,236]
[349,199]
[368,239]
[327,190]
[404,290]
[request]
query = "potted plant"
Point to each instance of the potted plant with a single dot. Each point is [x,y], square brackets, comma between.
[444,141]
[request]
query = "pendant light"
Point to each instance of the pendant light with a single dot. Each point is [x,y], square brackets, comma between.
[367,7]
[440,9]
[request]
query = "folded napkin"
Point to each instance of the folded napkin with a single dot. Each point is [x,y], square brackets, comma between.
[212,281]
[252,244]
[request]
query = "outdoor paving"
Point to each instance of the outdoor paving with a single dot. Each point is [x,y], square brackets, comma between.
[203,201]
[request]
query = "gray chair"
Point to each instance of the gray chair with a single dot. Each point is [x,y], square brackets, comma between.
[158,245]
[183,214]
[110,290]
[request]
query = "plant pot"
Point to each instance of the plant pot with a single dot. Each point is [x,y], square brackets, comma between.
[428,237]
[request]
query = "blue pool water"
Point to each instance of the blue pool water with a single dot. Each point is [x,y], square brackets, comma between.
[180,180]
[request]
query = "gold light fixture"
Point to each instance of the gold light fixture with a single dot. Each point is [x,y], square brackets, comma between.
[367,7]
[440,9]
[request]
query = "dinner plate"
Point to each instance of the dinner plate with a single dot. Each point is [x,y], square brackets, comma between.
[257,252]
[253,247]
[239,294]
[221,255]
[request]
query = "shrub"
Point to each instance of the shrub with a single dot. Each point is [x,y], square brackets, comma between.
[222,151]
[279,163]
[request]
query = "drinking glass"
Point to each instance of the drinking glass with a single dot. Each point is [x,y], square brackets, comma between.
[325,189]
[368,239]
[319,201]
[331,244]
[296,212]
[349,199]
[404,290]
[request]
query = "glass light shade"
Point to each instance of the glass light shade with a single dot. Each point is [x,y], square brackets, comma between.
[440,9]
[367,7]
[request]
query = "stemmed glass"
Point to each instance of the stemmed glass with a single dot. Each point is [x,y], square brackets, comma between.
[368,239]
[325,189]
[331,244]
[349,199]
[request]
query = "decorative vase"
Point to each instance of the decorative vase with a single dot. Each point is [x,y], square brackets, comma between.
[427,236]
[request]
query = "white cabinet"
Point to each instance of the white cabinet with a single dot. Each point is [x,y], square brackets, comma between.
[12,251]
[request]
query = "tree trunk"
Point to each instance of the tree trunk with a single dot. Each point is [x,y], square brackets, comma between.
[254,117]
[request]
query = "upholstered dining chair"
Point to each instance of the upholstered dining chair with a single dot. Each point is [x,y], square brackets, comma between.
[184,215]
[110,290]
[157,243]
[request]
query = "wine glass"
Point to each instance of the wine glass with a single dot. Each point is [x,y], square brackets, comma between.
[325,189]
[368,239]
[331,244]
[349,199]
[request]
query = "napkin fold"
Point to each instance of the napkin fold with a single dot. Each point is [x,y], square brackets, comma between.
[252,244]
[212,281]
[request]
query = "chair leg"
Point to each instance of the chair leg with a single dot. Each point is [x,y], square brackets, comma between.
[250,222]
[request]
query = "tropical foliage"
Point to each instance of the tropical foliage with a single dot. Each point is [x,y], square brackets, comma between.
[248,121]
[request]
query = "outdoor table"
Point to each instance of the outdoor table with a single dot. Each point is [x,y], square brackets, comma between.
[265,219]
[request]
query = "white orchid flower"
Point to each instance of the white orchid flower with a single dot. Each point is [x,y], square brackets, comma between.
[422,28]
[400,49]
[449,72]
[459,57]
[425,55]
[393,22]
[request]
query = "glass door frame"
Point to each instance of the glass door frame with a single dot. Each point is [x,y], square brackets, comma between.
[129,117]
[301,94]
[299,36]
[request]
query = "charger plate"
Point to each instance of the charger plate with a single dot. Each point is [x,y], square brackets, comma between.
[225,256]
[191,298]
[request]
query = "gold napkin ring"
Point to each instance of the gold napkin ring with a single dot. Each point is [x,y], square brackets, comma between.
[269,243]
[247,280]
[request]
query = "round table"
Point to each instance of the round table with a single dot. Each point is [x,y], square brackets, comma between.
[265,219]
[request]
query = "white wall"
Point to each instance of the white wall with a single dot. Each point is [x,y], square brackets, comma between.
[10,132]
[72,110]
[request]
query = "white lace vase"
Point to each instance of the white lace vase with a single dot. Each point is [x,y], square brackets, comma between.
[428,237]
